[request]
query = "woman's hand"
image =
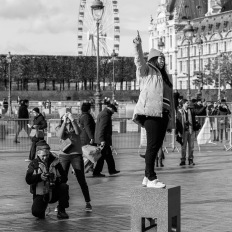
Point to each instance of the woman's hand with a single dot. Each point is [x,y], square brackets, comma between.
[70,116]
[137,39]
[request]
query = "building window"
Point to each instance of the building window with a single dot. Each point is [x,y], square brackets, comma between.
[225,48]
[170,62]
[194,65]
[209,48]
[181,52]
[181,68]
[216,47]
[180,84]
[170,41]
[195,50]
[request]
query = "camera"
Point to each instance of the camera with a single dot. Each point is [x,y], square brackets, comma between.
[50,178]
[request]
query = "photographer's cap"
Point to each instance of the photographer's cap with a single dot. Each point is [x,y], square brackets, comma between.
[42,145]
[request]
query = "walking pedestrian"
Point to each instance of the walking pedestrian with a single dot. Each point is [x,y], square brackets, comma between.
[103,137]
[38,126]
[69,130]
[23,116]
[214,121]
[155,106]
[5,105]
[48,180]
[185,128]
[87,125]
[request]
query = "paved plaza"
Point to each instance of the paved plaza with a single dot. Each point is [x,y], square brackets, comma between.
[206,194]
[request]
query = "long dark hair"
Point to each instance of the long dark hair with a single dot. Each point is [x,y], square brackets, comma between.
[163,71]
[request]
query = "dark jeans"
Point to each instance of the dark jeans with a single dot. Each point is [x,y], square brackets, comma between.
[77,163]
[156,129]
[59,193]
[33,147]
[108,157]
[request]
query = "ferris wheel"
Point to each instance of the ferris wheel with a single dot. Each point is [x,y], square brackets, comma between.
[109,29]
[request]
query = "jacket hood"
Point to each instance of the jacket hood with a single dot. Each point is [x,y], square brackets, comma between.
[154,53]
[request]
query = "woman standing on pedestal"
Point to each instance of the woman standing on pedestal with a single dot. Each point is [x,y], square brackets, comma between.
[155,107]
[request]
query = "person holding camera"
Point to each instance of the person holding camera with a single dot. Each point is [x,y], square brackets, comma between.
[185,128]
[47,180]
[69,130]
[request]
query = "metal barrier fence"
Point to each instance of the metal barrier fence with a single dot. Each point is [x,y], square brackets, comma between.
[8,130]
[126,134]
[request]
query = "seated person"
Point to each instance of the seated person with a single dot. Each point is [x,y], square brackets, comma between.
[47,181]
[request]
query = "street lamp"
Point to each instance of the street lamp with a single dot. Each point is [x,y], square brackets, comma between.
[161,44]
[8,60]
[199,41]
[97,12]
[113,55]
[219,75]
[188,33]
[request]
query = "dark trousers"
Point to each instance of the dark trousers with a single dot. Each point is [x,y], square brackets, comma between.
[108,157]
[155,129]
[59,193]
[33,147]
[77,163]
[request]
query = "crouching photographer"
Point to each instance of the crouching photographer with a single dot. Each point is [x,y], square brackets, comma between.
[47,181]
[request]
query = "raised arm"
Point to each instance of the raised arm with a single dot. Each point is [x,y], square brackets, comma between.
[142,68]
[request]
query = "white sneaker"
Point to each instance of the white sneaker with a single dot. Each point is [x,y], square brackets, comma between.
[145,180]
[155,184]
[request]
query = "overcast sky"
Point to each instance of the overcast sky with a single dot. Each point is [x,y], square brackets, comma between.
[49,27]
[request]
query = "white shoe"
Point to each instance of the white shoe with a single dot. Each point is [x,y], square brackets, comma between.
[155,184]
[145,180]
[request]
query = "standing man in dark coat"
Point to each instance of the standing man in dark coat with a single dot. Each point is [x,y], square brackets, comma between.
[22,114]
[185,128]
[103,137]
[87,125]
[39,124]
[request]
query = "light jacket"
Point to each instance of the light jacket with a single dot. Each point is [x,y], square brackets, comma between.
[151,99]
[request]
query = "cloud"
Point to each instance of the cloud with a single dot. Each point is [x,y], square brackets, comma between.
[54,25]
[21,9]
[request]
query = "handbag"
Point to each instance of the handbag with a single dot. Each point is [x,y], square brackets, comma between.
[37,133]
[92,153]
[67,143]
[33,133]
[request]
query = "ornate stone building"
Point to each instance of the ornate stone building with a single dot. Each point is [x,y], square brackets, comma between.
[212,23]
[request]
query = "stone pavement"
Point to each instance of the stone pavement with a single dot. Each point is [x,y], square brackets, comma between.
[206,194]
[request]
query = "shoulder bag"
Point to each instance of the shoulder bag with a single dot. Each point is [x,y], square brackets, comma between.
[65,144]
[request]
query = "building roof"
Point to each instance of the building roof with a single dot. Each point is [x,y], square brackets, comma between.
[192,9]
[214,23]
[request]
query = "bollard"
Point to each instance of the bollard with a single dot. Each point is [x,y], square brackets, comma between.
[155,209]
